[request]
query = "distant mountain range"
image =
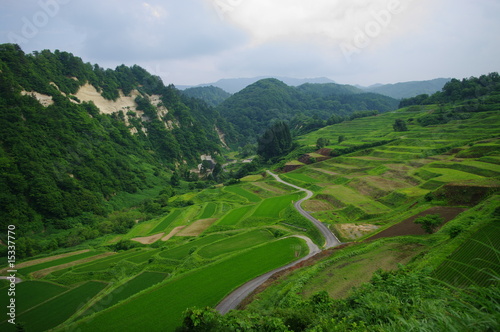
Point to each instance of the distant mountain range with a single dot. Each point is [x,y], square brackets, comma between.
[408,89]
[397,90]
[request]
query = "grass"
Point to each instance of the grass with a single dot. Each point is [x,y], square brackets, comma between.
[105,263]
[234,217]
[301,177]
[57,310]
[243,193]
[182,251]
[162,307]
[235,243]
[30,293]
[141,258]
[172,216]
[208,211]
[271,207]
[474,261]
[56,262]
[131,287]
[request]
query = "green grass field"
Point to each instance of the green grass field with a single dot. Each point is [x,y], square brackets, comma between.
[104,263]
[243,193]
[161,308]
[475,261]
[172,216]
[182,251]
[131,287]
[141,258]
[56,262]
[271,207]
[31,293]
[237,242]
[233,217]
[301,177]
[56,310]
[208,211]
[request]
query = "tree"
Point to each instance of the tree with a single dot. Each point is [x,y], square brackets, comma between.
[341,138]
[399,125]
[430,222]
[275,142]
[322,142]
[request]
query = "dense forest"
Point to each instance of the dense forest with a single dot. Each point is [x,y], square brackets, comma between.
[212,95]
[306,107]
[63,161]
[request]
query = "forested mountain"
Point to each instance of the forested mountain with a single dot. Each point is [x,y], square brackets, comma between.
[212,95]
[254,108]
[73,135]
[409,89]
[479,91]
[233,85]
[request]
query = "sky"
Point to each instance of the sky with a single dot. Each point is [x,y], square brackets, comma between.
[189,42]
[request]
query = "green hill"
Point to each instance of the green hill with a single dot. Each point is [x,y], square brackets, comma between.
[309,106]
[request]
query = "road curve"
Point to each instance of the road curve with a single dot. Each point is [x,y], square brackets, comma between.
[236,297]
[330,239]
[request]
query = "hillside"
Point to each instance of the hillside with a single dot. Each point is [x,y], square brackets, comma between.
[74,135]
[254,108]
[409,89]
[212,95]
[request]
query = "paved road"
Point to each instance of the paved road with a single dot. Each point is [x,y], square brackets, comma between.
[236,297]
[330,239]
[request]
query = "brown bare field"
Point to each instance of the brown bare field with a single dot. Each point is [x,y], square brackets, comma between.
[47,259]
[408,227]
[197,227]
[148,239]
[42,273]
[355,231]
[316,205]
[173,232]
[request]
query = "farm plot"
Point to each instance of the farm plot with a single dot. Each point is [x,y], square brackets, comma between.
[243,193]
[103,264]
[202,287]
[65,260]
[272,207]
[31,293]
[172,216]
[57,310]
[131,287]
[235,243]
[208,211]
[234,217]
[183,250]
[475,262]
[301,177]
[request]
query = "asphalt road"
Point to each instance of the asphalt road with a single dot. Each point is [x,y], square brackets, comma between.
[236,297]
[330,239]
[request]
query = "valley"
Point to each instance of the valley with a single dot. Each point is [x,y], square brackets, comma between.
[126,224]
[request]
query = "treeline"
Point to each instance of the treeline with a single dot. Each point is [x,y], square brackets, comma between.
[305,108]
[212,95]
[483,89]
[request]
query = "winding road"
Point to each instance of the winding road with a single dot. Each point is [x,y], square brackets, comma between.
[236,297]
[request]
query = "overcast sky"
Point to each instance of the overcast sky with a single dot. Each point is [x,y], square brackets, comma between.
[200,41]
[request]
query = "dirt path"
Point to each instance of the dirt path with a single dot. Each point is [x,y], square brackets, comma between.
[148,239]
[45,260]
[172,233]
[42,273]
